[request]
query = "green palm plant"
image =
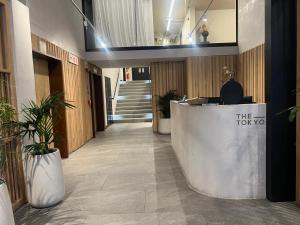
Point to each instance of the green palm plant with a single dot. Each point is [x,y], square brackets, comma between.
[164,103]
[295,109]
[37,124]
[292,110]
[7,115]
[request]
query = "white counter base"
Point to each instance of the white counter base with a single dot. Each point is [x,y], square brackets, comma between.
[222,149]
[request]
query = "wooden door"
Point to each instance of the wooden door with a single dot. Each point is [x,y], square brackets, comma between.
[42,81]
[109,111]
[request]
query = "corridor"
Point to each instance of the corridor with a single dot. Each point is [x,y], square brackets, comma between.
[130,176]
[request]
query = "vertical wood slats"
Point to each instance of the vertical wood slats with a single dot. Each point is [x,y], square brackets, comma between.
[11,147]
[166,76]
[3,36]
[205,74]
[13,168]
[77,90]
[251,73]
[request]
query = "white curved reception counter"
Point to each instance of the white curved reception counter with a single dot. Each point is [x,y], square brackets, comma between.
[222,149]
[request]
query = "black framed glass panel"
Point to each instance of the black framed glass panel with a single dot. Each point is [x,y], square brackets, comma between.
[133,24]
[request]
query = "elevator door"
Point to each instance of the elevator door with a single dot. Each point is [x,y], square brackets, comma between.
[108,101]
[140,73]
[98,103]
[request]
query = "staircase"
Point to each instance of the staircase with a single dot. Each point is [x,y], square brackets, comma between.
[134,102]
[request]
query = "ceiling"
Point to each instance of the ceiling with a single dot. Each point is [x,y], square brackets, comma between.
[161,10]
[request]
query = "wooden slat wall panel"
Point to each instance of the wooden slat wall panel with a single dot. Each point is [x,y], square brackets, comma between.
[205,74]
[14,170]
[77,90]
[251,73]
[166,76]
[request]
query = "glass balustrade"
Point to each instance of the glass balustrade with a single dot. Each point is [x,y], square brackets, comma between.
[159,23]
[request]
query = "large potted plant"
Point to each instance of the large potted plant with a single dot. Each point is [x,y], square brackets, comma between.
[164,124]
[42,165]
[7,114]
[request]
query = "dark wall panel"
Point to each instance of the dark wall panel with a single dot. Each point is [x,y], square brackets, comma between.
[280,81]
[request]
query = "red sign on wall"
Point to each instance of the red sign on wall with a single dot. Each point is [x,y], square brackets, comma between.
[73,59]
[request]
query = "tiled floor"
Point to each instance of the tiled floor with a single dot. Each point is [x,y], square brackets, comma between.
[130,176]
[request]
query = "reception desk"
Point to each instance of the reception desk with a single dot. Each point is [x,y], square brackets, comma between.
[222,148]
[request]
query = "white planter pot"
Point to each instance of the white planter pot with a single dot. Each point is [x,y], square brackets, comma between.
[6,212]
[164,126]
[44,180]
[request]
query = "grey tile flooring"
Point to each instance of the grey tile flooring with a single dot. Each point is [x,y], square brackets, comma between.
[130,176]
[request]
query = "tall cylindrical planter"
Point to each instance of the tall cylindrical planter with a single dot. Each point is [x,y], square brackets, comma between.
[164,126]
[6,212]
[44,179]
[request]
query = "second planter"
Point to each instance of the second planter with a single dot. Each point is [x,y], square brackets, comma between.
[164,126]
[44,179]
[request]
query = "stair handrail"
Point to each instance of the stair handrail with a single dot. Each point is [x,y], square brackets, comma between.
[118,80]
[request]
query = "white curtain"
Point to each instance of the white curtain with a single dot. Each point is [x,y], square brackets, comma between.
[124,23]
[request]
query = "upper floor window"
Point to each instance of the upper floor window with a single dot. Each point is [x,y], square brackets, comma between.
[153,23]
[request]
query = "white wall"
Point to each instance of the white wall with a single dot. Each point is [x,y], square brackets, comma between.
[58,22]
[22,52]
[221,25]
[188,25]
[113,74]
[251,24]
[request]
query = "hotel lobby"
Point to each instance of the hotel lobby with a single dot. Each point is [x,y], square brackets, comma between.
[145,112]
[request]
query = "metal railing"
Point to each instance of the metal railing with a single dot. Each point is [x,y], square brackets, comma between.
[116,86]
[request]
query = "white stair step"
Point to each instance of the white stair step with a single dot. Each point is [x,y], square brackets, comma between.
[128,88]
[134,111]
[134,115]
[127,93]
[138,120]
[134,97]
[138,107]
[142,100]
[135,85]
[133,104]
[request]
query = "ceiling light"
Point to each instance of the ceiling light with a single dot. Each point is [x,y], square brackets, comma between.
[101,42]
[165,42]
[205,19]
[170,15]
[103,45]
[190,37]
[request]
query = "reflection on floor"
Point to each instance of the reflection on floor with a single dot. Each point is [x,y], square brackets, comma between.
[128,175]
